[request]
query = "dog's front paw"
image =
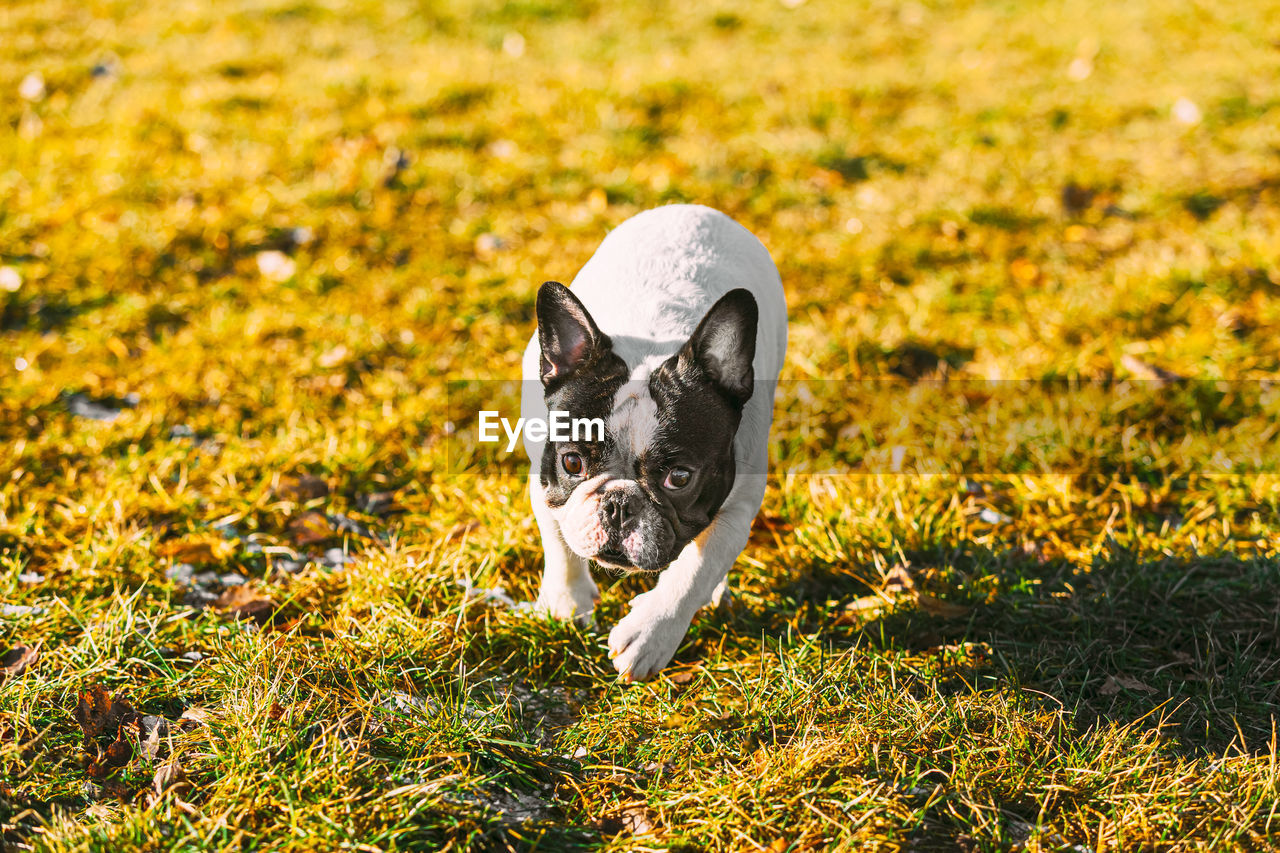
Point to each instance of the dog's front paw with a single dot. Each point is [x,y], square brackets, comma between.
[577,601]
[646,638]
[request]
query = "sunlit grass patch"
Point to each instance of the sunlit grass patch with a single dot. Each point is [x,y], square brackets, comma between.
[247,251]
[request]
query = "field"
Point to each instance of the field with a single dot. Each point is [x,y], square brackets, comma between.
[258,258]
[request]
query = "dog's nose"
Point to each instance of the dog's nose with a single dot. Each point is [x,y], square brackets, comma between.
[617,509]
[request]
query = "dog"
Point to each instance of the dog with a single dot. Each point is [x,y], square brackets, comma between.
[673,334]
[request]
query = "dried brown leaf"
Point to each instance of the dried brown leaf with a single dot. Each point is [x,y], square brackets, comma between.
[899,580]
[636,820]
[170,778]
[310,528]
[683,676]
[150,730]
[766,528]
[938,607]
[120,752]
[245,602]
[118,789]
[18,660]
[868,604]
[100,714]
[379,503]
[1115,683]
[192,717]
[301,488]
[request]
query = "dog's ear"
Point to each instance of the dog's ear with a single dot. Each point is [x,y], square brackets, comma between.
[567,335]
[724,345]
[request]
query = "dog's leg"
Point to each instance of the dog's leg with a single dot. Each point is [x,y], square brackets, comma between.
[567,591]
[646,638]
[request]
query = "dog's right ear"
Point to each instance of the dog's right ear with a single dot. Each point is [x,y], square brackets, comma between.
[566,333]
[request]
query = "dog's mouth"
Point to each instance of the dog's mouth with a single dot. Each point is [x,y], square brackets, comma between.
[624,566]
[613,558]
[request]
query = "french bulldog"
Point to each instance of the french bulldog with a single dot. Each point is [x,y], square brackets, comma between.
[673,335]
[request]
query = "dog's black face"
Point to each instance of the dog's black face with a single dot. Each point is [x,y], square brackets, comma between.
[635,497]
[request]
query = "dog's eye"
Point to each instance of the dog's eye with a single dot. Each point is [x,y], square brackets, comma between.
[677,478]
[572,464]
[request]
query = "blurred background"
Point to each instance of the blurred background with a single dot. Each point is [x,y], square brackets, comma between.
[1029,191]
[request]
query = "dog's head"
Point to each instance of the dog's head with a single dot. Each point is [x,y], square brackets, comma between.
[636,497]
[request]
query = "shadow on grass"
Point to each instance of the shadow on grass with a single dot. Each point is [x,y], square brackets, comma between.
[1188,644]
[1191,646]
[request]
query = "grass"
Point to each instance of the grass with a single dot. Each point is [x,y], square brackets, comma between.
[257,256]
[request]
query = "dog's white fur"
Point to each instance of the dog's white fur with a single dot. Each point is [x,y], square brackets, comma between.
[648,285]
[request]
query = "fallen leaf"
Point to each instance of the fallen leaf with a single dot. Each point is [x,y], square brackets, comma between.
[310,528]
[766,527]
[636,820]
[899,580]
[150,730]
[301,488]
[1076,199]
[120,752]
[118,789]
[170,782]
[379,503]
[868,604]
[1115,683]
[938,607]
[683,676]
[196,550]
[18,660]
[192,717]
[101,714]
[245,602]
[170,778]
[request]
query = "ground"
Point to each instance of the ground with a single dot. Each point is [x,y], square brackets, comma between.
[258,258]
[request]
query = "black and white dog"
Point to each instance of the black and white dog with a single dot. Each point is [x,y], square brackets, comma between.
[673,334]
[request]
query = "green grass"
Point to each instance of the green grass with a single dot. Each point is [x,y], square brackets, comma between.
[1084,649]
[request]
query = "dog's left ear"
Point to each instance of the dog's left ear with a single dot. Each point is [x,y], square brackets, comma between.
[724,345]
